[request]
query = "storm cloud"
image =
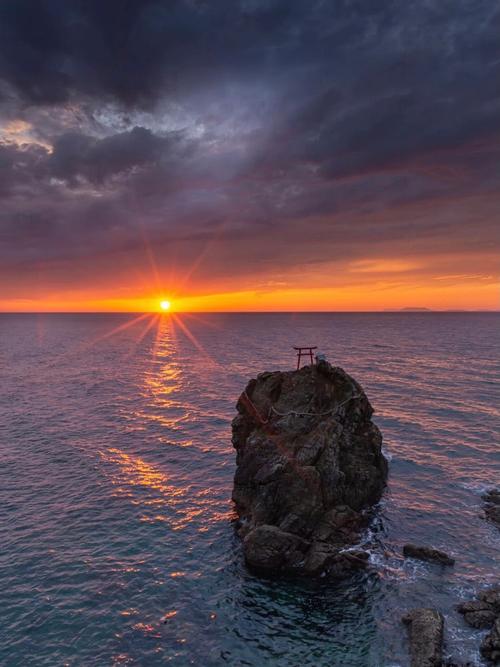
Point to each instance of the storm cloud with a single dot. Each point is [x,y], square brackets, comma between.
[341,130]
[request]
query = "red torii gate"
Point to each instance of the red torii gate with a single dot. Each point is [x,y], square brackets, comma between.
[301,354]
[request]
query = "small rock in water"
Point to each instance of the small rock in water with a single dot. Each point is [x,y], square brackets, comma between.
[427,553]
[309,461]
[426,628]
[492,505]
[477,614]
[491,596]
[481,613]
[492,496]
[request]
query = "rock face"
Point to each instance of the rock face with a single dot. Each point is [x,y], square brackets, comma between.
[428,554]
[485,613]
[308,462]
[426,628]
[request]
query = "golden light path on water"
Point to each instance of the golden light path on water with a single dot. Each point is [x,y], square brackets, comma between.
[162,381]
[160,497]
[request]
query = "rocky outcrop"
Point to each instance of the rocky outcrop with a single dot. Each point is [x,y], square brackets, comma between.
[485,613]
[427,553]
[492,506]
[490,648]
[426,628]
[477,614]
[309,463]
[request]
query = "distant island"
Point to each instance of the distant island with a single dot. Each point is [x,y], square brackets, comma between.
[414,309]
[408,309]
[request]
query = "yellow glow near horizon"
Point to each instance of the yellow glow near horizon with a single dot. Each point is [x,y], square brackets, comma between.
[442,292]
[165,305]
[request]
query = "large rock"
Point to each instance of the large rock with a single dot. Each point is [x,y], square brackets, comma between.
[426,627]
[309,462]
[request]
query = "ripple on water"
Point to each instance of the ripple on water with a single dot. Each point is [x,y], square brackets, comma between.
[117,470]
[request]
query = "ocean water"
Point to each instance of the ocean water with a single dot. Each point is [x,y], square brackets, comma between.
[116,466]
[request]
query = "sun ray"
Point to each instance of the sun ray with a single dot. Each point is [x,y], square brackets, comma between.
[121,327]
[151,258]
[154,320]
[177,319]
[203,320]
[202,254]
[82,347]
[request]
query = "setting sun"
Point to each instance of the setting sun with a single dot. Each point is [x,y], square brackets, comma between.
[165,305]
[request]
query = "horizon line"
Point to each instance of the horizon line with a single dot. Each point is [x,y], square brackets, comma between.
[387,311]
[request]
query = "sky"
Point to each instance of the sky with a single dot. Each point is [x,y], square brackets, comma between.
[249,154]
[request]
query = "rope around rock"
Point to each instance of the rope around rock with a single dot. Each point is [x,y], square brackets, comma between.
[314,414]
[294,413]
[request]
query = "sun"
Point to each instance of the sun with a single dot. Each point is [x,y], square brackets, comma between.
[165,305]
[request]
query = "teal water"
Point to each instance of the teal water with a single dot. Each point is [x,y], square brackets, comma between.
[116,471]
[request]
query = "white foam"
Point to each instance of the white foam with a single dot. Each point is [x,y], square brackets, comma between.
[387,454]
[477,488]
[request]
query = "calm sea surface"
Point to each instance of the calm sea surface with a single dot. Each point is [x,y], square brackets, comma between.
[116,466]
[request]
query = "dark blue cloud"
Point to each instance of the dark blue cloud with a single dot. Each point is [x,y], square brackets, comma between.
[256,116]
[78,155]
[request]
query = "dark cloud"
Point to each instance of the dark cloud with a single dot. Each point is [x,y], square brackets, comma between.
[21,169]
[129,49]
[245,120]
[77,155]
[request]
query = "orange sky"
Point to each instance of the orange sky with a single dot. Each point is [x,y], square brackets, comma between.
[425,254]
[372,287]
[324,159]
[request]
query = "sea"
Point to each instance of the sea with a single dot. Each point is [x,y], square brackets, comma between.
[116,466]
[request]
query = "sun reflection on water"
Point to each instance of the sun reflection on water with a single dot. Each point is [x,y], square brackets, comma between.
[163,381]
[134,471]
[163,486]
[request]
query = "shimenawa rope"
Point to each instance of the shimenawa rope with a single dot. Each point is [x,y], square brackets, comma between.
[294,413]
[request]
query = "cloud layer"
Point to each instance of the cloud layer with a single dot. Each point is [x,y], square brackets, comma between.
[247,143]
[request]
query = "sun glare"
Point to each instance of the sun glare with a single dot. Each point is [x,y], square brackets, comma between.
[165,305]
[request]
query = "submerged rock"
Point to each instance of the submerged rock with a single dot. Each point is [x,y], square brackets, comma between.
[426,628]
[309,462]
[492,505]
[428,554]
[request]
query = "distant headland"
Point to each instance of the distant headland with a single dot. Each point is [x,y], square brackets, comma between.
[411,309]
[408,309]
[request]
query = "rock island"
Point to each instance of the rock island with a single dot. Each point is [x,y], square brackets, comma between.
[309,467]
